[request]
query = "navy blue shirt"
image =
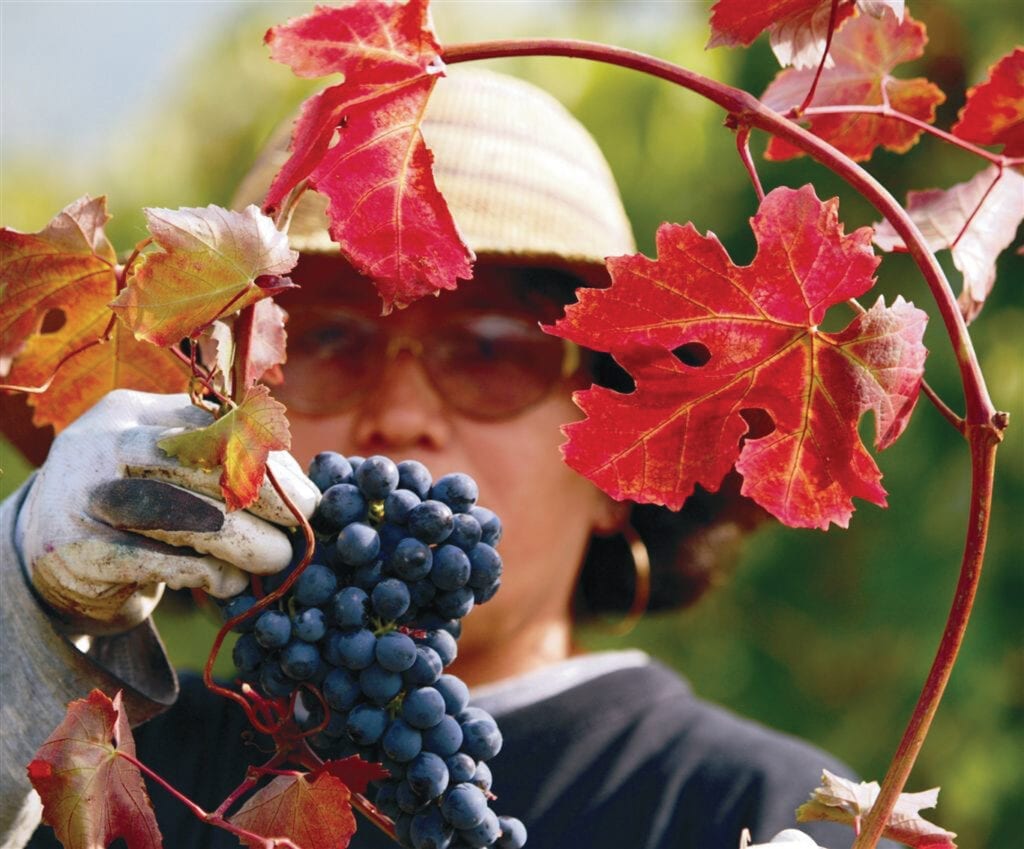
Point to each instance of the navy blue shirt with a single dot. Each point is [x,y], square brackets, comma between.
[624,757]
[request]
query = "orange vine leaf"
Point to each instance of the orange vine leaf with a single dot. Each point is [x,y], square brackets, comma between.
[213,262]
[55,290]
[313,812]
[238,442]
[994,111]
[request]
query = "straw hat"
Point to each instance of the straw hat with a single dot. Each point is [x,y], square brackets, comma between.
[523,178]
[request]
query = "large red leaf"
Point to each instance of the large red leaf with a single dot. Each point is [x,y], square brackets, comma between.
[314,813]
[214,262]
[977,220]
[55,290]
[91,795]
[841,800]
[239,442]
[864,53]
[994,111]
[359,143]
[757,327]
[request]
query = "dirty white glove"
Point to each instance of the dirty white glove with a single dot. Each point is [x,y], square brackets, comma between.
[110,518]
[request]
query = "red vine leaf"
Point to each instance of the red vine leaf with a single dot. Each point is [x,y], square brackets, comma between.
[864,53]
[359,143]
[239,441]
[314,813]
[977,220]
[55,290]
[706,340]
[841,800]
[797,29]
[91,795]
[214,262]
[355,772]
[994,111]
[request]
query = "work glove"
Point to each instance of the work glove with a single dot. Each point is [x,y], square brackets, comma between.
[110,519]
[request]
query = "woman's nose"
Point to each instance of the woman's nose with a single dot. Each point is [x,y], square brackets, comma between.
[401,411]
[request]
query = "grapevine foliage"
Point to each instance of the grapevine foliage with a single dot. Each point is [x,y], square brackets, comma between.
[238,442]
[91,793]
[841,800]
[756,328]
[707,342]
[55,289]
[213,262]
[864,52]
[359,143]
[308,809]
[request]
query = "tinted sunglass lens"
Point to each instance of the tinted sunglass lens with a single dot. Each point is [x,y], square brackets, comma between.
[494,367]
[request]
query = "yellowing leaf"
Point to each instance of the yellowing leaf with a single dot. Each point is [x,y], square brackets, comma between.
[239,441]
[214,262]
[65,270]
[311,813]
[120,363]
[55,288]
[841,800]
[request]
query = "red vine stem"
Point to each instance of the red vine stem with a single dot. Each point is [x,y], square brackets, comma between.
[743,149]
[833,12]
[746,110]
[262,604]
[886,111]
[983,426]
[983,443]
[216,818]
[122,277]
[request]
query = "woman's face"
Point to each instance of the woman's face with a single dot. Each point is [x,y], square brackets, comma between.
[548,511]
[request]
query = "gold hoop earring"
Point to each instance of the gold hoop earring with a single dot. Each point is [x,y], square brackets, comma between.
[642,586]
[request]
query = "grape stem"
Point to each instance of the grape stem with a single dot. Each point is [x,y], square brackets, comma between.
[216,818]
[832,15]
[887,111]
[982,425]
[261,604]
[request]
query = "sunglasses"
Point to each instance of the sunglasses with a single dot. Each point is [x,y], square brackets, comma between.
[486,366]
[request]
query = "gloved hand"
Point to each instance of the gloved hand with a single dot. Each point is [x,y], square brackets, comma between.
[110,519]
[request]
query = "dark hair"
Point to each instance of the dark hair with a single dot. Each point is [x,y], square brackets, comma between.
[691,550]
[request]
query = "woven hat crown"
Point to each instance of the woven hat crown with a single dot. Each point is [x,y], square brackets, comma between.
[521,176]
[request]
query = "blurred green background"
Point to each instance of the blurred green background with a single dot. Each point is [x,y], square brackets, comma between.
[828,636]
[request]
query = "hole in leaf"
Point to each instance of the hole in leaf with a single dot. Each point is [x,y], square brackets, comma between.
[759,423]
[692,354]
[608,373]
[53,321]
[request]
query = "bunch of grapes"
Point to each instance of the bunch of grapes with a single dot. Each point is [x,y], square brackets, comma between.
[371,623]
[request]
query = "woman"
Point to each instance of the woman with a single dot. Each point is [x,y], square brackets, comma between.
[608,750]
